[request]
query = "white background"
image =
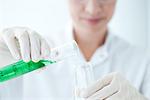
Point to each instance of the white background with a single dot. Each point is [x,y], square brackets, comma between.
[49,16]
[149,23]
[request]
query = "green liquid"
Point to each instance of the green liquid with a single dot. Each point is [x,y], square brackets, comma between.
[20,68]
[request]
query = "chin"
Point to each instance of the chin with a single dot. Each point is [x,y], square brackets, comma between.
[95,27]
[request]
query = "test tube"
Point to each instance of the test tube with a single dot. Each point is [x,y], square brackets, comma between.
[19,68]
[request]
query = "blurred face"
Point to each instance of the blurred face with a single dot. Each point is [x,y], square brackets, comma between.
[91,15]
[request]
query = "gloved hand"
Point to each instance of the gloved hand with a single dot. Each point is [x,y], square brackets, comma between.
[25,44]
[111,87]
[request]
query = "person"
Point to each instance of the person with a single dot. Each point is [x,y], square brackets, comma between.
[110,67]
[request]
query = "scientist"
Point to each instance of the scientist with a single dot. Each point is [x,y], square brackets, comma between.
[110,68]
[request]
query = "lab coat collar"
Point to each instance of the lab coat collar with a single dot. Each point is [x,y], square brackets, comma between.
[101,54]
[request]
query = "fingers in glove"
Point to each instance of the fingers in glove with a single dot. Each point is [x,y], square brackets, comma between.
[109,90]
[11,43]
[97,86]
[24,43]
[104,93]
[35,44]
[45,49]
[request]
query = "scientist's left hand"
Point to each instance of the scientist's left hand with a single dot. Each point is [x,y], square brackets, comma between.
[111,87]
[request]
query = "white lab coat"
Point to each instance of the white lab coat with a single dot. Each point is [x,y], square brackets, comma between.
[59,81]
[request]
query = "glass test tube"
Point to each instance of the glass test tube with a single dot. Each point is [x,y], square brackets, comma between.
[19,68]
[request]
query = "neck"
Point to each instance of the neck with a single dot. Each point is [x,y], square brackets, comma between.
[88,42]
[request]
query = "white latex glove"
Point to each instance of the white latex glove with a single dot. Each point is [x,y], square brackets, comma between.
[25,44]
[111,87]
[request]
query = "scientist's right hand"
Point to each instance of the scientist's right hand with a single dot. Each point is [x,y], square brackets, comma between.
[25,44]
